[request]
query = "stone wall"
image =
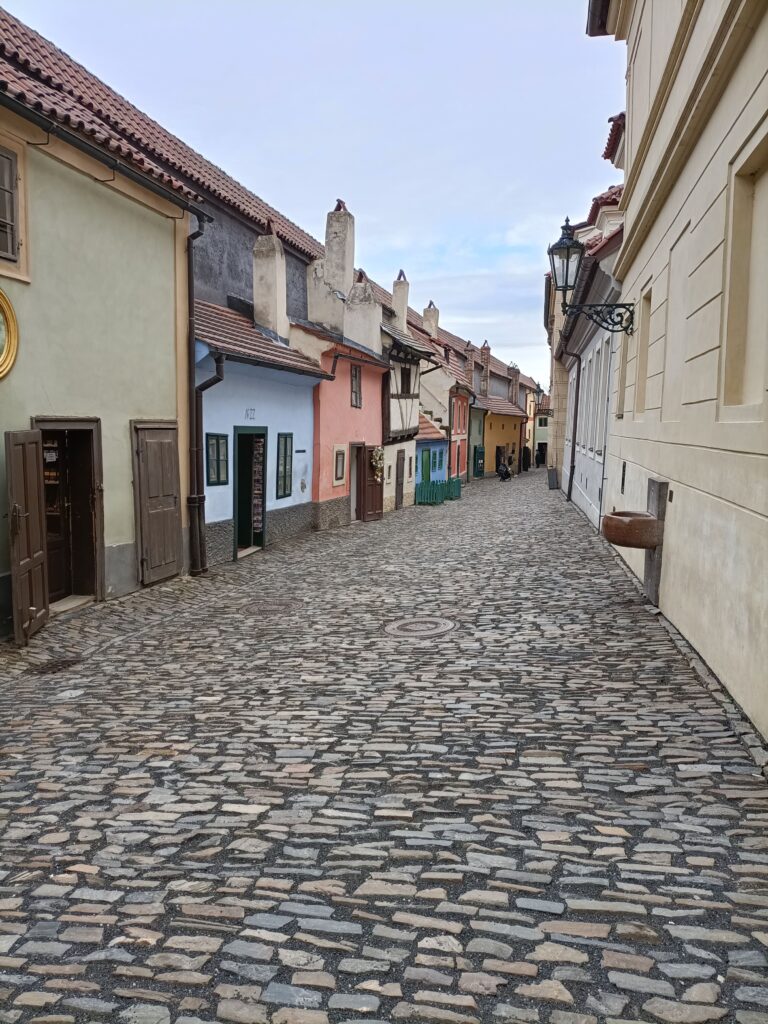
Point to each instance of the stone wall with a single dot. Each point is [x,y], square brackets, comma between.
[284,523]
[329,514]
[220,541]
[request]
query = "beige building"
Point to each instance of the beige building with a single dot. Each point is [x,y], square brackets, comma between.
[688,389]
[92,363]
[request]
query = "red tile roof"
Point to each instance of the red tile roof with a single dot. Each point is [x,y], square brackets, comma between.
[499,406]
[429,431]
[42,76]
[235,335]
[611,197]
[614,135]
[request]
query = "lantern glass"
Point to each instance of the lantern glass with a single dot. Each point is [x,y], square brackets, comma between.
[565,259]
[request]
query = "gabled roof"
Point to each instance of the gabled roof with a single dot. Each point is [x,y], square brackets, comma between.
[611,197]
[45,78]
[429,431]
[235,335]
[499,406]
[419,348]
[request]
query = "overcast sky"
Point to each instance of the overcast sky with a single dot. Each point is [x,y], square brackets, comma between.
[459,132]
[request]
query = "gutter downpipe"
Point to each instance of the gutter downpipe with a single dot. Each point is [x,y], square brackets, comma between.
[572,470]
[199,471]
[194,499]
[450,430]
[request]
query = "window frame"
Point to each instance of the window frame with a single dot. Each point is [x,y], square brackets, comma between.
[13,224]
[405,378]
[17,267]
[211,435]
[339,480]
[356,386]
[284,479]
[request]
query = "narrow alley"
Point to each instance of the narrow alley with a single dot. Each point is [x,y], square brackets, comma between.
[408,771]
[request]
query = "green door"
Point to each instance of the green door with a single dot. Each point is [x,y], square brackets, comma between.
[249,492]
[426,475]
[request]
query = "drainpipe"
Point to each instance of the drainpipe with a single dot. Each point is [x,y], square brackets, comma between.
[450,432]
[195,499]
[199,469]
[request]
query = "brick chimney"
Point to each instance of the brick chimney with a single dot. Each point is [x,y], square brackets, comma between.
[485,360]
[513,373]
[340,248]
[269,289]
[400,290]
[431,319]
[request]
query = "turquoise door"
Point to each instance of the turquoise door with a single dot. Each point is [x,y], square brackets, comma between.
[426,475]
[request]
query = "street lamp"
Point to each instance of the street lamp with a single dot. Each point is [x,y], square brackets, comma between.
[565,257]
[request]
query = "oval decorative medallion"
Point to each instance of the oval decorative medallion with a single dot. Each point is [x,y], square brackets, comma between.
[419,626]
[9,335]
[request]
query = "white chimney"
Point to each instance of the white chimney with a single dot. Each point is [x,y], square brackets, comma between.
[431,319]
[362,314]
[269,288]
[340,248]
[400,290]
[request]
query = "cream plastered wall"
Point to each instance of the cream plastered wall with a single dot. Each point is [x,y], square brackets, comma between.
[390,473]
[674,266]
[99,328]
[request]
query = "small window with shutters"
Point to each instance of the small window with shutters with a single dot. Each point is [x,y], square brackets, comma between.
[405,380]
[9,206]
[217,456]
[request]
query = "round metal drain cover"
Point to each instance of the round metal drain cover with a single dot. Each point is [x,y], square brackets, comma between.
[419,626]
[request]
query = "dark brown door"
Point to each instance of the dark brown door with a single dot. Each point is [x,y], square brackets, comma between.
[373,506]
[158,512]
[399,478]
[26,508]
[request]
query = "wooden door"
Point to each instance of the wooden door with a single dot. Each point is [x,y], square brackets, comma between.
[26,517]
[373,506]
[399,478]
[158,513]
[426,466]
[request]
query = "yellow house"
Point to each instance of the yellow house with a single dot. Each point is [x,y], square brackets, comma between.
[93,312]
[689,388]
[504,423]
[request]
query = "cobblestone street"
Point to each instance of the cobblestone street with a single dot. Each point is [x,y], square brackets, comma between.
[286,793]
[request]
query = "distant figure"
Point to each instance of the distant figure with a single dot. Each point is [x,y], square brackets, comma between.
[503,471]
[537,458]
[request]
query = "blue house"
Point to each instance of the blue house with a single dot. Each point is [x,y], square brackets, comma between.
[431,453]
[258,432]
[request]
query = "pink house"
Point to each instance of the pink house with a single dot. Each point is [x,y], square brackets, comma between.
[343,333]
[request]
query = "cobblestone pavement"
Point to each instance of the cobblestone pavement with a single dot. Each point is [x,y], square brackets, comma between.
[247,799]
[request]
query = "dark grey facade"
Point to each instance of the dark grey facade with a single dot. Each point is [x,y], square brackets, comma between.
[224,264]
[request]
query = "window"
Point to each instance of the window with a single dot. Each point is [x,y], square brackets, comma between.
[410,467]
[434,459]
[356,378]
[405,380]
[217,450]
[284,465]
[440,458]
[389,473]
[542,421]
[339,466]
[9,246]
[643,341]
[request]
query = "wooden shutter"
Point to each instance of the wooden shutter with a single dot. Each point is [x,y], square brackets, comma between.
[399,478]
[157,502]
[373,507]
[26,518]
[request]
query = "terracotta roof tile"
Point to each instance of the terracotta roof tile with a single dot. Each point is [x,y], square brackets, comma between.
[43,76]
[611,197]
[429,431]
[499,406]
[614,135]
[233,334]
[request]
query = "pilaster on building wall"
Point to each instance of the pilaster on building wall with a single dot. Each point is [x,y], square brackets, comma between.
[558,392]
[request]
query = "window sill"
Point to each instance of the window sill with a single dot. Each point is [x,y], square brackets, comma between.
[14,272]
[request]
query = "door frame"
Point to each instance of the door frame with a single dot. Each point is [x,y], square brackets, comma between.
[236,433]
[355,448]
[92,424]
[399,478]
[135,427]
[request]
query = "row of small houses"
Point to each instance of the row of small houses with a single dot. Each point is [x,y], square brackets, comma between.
[185,375]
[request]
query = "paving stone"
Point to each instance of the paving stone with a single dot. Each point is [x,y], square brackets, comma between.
[284,813]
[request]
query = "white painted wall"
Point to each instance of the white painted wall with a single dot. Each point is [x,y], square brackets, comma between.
[252,396]
[591,427]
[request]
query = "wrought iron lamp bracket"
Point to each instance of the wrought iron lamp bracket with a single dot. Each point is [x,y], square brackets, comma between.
[612,317]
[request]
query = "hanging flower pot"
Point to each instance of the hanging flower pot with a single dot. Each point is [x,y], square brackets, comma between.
[377,463]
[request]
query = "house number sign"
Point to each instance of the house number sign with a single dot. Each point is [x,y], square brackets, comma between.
[250,414]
